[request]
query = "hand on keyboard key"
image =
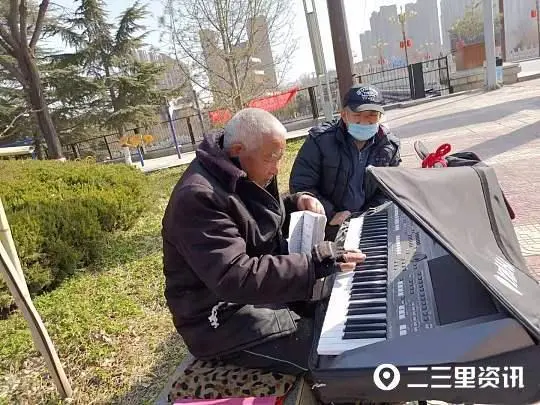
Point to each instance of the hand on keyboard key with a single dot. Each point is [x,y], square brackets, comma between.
[328,259]
[352,258]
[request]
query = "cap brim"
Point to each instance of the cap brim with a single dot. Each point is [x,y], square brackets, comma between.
[366,107]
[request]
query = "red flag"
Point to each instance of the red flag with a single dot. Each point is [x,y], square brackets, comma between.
[274,102]
[269,103]
[219,116]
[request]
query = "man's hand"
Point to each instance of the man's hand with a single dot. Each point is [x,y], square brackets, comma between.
[328,259]
[308,203]
[339,217]
[352,258]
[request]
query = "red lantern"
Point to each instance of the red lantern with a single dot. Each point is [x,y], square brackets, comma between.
[401,44]
[409,43]
[533,13]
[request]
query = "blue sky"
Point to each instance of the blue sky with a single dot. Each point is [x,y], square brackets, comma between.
[358,13]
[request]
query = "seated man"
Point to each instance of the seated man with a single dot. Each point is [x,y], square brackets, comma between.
[231,283]
[332,161]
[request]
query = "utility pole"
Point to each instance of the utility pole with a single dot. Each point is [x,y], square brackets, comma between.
[341,45]
[318,57]
[489,39]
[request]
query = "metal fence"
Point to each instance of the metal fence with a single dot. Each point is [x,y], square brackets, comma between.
[424,79]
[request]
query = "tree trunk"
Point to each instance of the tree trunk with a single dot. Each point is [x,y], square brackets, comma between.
[36,99]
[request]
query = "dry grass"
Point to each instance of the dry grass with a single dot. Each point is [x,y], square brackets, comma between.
[110,324]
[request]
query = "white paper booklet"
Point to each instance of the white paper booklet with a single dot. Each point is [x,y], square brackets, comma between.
[306,229]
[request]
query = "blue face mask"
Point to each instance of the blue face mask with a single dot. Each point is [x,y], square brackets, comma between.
[362,132]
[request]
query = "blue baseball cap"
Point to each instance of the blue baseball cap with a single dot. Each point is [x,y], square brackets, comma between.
[364,98]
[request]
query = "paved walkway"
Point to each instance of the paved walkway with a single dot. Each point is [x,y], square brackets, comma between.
[502,127]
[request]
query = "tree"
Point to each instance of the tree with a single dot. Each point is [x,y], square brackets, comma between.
[121,90]
[20,31]
[232,45]
[470,27]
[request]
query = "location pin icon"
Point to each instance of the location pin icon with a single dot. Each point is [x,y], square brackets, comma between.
[386,377]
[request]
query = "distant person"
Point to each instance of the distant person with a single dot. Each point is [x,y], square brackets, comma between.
[332,161]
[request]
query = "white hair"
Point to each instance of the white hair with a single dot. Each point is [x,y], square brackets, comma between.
[249,126]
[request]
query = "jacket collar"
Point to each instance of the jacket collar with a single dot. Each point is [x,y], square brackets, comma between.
[214,159]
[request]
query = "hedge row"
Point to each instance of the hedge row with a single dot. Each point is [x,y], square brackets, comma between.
[59,213]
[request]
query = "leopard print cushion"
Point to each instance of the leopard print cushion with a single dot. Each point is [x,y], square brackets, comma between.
[216,380]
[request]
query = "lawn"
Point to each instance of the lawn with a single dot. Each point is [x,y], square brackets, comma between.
[109,323]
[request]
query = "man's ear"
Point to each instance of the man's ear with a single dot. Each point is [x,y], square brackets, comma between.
[236,149]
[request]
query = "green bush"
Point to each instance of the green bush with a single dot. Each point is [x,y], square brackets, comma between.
[60,213]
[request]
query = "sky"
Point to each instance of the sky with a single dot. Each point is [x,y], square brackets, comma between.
[358,13]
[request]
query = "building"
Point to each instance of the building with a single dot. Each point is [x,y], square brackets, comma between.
[382,42]
[253,58]
[521,30]
[174,76]
[424,29]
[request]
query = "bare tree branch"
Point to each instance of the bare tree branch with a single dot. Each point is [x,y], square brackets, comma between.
[39,23]
[12,20]
[222,37]
[23,14]
[12,123]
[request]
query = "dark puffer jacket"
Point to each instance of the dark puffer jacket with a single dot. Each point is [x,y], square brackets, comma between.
[324,165]
[228,277]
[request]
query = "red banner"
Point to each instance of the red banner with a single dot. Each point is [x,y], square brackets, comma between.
[274,102]
[269,103]
[219,116]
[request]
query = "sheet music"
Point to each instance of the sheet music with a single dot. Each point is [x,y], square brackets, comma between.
[306,229]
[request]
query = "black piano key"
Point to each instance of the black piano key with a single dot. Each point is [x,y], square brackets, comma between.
[355,296]
[372,278]
[369,277]
[364,335]
[361,283]
[360,328]
[375,231]
[371,245]
[357,289]
[364,311]
[374,250]
[382,270]
[372,262]
[363,266]
[365,303]
[364,295]
[372,320]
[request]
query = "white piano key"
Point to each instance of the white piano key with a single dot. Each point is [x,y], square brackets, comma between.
[334,348]
[331,340]
[354,232]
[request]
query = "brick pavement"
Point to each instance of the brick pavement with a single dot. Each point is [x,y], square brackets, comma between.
[503,128]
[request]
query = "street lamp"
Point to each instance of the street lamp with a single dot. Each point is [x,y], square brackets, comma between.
[379,46]
[401,19]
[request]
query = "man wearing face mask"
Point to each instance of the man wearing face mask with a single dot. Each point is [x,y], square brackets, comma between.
[332,161]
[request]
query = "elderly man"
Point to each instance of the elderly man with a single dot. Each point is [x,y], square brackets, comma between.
[332,161]
[231,283]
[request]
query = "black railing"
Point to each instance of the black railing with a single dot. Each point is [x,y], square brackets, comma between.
[423,79]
